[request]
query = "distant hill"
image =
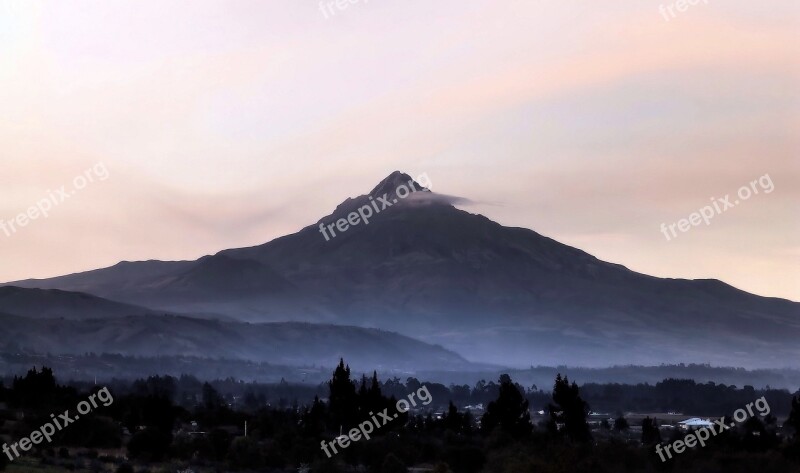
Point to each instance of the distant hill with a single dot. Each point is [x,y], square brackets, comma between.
[53,303]
[290,344]
[504,295]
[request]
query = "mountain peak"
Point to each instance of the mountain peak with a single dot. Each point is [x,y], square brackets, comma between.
[393,181]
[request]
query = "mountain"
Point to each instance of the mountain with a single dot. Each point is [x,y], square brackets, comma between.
[290,343]
[53,303]
[505,295]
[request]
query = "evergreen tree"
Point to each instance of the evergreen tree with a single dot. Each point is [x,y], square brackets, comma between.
[621,424]
[453,420]
[794,417]
[375,400]
[211,398]
[314,418]
[570,409]
[343,398]
[509,412]
[36,390]
[651,435]
[363,394]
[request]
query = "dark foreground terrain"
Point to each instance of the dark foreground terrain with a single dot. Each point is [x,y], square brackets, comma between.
[361,423]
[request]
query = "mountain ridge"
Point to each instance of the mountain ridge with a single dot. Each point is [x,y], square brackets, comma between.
[286,343]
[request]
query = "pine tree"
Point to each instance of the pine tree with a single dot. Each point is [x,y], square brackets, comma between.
[570,409]
[343,398]
[794,417]
[509,412]
[211,398]
[651,435]
[453,420]
[375,400]
[621,424]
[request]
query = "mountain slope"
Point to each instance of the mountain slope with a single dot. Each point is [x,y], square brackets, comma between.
[505,295]
[290,344]
[53,303]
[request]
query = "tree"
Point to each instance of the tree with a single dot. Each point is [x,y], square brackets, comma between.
[570,409]
[651,435]
[509,412]
[36,390]
[313,419]
[343,397]
[453,420]
[794,417]
[375,399]
[621,424]
[370,396]
[211,398]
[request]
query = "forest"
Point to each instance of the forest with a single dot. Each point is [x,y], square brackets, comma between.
[164,423]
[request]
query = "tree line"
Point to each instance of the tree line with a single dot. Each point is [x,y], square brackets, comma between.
[185,423]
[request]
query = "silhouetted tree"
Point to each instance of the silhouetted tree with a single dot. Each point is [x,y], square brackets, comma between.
[570,409]
[314,419]
[756,436]
[453,420]
[211,399]
[651,435]
[158,386]
[794,417]
[370,397]
[343,398]
[36,390]
[621,424]
[375,400]
[510,410]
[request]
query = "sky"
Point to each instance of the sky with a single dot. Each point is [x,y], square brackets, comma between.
[174,129]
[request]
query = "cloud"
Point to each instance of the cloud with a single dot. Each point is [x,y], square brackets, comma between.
[434,198]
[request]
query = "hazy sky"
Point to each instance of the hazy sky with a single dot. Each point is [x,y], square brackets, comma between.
[227,124]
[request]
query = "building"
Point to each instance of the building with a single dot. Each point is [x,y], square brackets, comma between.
[695,423]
